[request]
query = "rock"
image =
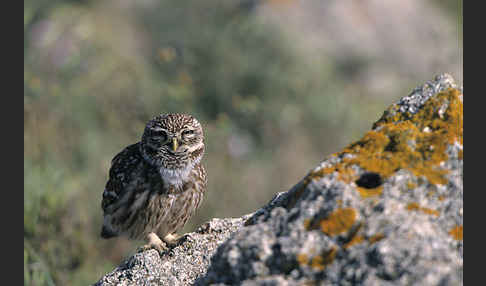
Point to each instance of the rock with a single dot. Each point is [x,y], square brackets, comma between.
[386,210]
[180,265]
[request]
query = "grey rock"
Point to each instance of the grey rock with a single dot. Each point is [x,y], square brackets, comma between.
[387,210]
[180,265]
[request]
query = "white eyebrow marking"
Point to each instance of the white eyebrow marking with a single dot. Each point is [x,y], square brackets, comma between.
[195,147]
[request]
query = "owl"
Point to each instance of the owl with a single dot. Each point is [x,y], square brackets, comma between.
[157,184]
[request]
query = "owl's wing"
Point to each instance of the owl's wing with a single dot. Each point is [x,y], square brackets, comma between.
[123,166]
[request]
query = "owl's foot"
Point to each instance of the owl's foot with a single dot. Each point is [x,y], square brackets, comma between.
[154,242]
[173,239]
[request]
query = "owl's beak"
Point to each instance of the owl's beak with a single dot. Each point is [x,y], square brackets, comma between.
[175,145]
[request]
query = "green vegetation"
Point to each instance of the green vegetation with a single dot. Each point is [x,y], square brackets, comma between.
[96,71]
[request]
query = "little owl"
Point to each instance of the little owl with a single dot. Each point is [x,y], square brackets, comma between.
[157,184]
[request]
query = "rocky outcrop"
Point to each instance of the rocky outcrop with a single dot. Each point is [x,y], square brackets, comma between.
[179,266]
[386,210]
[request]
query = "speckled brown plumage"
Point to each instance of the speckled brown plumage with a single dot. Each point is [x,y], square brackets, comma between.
[157,184]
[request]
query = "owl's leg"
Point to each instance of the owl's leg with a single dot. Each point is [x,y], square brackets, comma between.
[153,242]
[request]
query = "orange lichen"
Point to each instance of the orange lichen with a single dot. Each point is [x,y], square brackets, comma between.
[318,262]
[355,240]
[417,207]
[344,174]
[456,232]
[320,173]
[321,261]
[411,185]
[430,211]
[377,237]
[391,152]
[415,142]
[366,193]
[413,207]
[307,224]
[460,155]
[347,175]
[328,170]
[302,259]
[339,221]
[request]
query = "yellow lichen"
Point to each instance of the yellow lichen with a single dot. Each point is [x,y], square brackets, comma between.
[366,193]
[347,175]
[417,207]
[413,207]
[307,223]
[328,170]
[339,221]
[415,142]
[430,211]
[321,261]
[355,240]
[411,185]
[456,232]
[302,259]
[377,237]
[317,262]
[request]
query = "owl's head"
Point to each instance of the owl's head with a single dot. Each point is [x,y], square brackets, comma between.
[173,141]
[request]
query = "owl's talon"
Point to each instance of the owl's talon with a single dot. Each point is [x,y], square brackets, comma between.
[161,248]
[172,240]
[154,242]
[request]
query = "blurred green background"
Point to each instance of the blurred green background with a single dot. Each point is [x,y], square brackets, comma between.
[278,86]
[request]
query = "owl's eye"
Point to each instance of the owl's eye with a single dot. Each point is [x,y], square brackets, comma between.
[159,134]
[187,132]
